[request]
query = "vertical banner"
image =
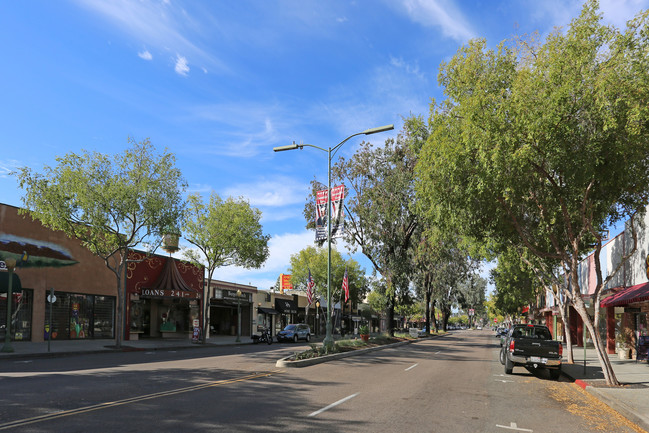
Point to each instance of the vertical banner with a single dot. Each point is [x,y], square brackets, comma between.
[321,215]
[337,213]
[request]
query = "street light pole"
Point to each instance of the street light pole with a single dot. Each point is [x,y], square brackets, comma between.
[329,341]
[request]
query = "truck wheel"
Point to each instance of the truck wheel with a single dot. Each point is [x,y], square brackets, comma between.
[509,366]
[308,337]
[502,357]
[555,374]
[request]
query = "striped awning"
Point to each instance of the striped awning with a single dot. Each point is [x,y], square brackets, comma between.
[628,295]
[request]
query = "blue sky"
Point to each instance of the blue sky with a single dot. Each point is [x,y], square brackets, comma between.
[220,83]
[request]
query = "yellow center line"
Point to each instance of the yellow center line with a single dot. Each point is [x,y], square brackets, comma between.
[110,404]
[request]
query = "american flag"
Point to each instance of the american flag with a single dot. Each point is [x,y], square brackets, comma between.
[346,286]
[309,289]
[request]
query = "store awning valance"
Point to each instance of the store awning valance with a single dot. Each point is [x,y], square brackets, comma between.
[4,283]
[285,306]
[629,295]
[267,310]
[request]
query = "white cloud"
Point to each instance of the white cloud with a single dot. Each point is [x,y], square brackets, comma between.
[410,69]
[280,191]
[164,25]
[181,67]
[8,166]
[439,13]
[281,247]
[146,55]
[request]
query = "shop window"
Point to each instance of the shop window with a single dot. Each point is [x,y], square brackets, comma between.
[76,316]
[104,317]
[21,315]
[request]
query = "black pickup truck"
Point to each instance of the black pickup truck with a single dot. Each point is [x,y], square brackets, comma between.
[531,346]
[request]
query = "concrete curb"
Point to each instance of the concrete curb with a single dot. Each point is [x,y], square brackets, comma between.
[613,403]
[285,363]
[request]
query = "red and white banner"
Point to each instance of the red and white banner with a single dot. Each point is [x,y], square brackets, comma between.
[337,213]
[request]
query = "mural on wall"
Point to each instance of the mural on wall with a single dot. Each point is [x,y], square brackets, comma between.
[41,254]
[28,253]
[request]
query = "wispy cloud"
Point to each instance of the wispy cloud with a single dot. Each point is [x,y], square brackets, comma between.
[163,25]
[181,67]
[146,55]
[8,166]
[410,69]
[280,191]
[439,13]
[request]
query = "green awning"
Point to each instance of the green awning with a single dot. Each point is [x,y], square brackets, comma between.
[4,282]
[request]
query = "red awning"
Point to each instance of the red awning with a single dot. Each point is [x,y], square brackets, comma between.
[629,295]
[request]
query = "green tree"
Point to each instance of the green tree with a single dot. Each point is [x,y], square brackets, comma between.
[544,145]
[225,233]
[516,285]
[111,204]
[473,295]
[315,259]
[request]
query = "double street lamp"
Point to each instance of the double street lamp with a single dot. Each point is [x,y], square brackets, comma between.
[329,341]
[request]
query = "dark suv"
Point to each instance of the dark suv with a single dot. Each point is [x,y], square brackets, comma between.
[295,333]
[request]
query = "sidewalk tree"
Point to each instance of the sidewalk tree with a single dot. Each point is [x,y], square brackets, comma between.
[544,144]
[110,203]
[224,233]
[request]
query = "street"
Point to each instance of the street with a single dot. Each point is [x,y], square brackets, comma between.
[450,384]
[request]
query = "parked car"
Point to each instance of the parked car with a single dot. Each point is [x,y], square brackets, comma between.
[295,332]
[531,346]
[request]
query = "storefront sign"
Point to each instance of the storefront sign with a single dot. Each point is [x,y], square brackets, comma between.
[231,295]
[158,293]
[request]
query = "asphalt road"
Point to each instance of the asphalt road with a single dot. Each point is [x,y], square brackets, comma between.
[449,384]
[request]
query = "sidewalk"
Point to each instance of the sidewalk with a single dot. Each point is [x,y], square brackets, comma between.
[25,349]
[631,400]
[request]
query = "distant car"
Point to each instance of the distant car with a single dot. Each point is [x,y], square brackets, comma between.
[295,332]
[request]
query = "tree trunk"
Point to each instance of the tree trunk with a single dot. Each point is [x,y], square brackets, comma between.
[602,356]
[433,315]
[565,318]
[119,325]
[427,312]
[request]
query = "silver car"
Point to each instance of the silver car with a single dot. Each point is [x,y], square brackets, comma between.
[295,332]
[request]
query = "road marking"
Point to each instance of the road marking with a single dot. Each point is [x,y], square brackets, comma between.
[332,405]
[438,352]
[109,404]
[513,426]
[22,362]
[504,381]
[411,367]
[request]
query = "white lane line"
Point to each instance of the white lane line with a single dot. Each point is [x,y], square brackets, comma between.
[332,405]
[438,352]
[411,367]
[513,426]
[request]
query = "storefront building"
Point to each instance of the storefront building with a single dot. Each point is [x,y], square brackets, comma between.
[228,301]
[84,289]
[164,297]
[286,308]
